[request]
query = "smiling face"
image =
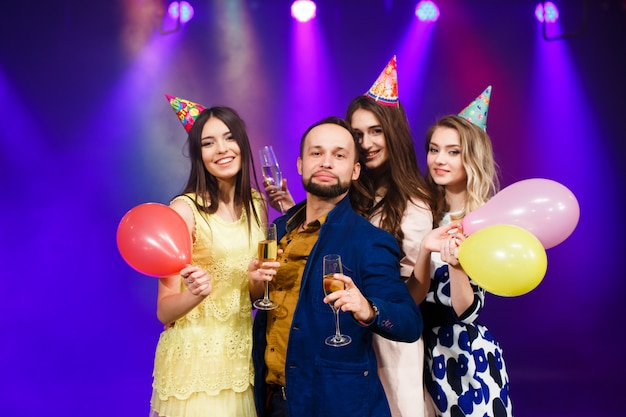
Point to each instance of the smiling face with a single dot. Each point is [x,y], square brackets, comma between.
[220,151]
[444,159]
[371,137]
[328,163]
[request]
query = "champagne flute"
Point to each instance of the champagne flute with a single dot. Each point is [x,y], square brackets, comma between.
[332,266]
[267,253]
[271,170]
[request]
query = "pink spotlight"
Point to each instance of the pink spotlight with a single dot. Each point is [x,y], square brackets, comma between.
[180,10]
[303,10]
[427,11]
[549,12]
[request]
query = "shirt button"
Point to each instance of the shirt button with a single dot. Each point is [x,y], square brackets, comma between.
[366,373]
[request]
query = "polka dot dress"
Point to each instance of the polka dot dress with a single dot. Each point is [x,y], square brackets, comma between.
[464,373]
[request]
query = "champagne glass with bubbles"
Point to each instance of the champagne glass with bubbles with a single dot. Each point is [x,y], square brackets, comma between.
[332,266]
[271,170]
[267,253]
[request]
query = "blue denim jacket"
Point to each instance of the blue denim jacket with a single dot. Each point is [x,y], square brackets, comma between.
[323,380]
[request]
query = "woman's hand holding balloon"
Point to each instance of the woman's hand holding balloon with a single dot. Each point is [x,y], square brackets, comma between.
[198,281]
[450,248]
[434,239]
[174,301]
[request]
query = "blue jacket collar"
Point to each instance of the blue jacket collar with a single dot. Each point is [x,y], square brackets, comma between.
[296,215]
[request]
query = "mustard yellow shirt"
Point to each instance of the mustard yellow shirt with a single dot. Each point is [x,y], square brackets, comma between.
[285,290]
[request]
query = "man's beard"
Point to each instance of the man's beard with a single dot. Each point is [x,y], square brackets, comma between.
[322,191]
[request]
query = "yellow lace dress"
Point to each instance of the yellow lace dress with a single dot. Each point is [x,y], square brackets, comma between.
[203,364]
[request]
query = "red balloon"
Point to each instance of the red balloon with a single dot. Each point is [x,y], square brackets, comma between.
[154,240]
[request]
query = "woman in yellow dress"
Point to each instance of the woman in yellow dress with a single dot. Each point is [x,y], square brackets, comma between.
[203,364]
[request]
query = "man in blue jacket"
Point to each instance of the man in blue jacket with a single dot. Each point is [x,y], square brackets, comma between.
[296,373]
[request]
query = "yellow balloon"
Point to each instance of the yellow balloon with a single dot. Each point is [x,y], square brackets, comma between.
[504,259]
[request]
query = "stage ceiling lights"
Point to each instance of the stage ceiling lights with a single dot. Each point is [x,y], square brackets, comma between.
[427,11]
[176,14]
[547,12]
[180,10]
[303,10]
[555,28]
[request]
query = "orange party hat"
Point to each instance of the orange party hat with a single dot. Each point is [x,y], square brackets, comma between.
[385,89]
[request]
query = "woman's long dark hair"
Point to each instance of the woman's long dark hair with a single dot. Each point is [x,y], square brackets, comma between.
[399,174]
[205,185]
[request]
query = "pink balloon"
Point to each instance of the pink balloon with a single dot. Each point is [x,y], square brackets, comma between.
[543,207]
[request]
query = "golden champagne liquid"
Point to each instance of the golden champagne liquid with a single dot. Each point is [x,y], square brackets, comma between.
[267,250]
[331,284]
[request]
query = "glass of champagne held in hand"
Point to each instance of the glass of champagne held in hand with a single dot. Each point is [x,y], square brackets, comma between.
[332,266]
[271,170]
[267,253]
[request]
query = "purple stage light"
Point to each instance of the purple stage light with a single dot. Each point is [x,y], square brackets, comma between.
[427,11]
[180,9]
[303,10]
[547,10]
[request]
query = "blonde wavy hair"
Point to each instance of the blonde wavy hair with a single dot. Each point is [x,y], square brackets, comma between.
[478,161]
